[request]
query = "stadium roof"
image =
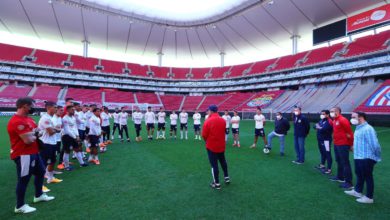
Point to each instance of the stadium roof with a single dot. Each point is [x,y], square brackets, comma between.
[188,32]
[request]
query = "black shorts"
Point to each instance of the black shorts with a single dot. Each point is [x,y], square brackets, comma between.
[106,129]
[137,127]
[259,132]
[183,126]
[197,127]
[94,140]
[69,143]
[58,147]
[149,126]
[235,130]
[86,131]
[227,130]
[82,134]
[173,127]
[48,154]
[161,126]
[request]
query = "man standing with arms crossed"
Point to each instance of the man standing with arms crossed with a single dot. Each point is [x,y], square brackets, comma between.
[150,119]
[214,135]
[24,152]
[137,118]
[343,142]
[197,117]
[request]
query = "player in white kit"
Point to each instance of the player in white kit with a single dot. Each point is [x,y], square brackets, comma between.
[183,116]
[259,127]
[150,119]
[227,119]
[161,124]
[236,129]
[197,118]
[173,117]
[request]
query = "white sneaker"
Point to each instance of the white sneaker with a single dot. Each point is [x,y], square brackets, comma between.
[25,209]
[186,138]
[365,200]
[353,193]
[43,198]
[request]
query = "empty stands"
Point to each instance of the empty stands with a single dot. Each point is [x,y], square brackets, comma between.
[112,66]
[378,101]
[13,53]
[118,96]
[85,96]
[46,93]
[150,98]
[368,44]
[171,102]
[192,102]
[322,54]
[11,93]
[46,58]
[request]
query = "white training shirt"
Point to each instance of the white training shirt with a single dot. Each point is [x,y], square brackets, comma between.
[227,119]
[116,117]
[70,126]
[137,117]
[123,116]
[173,118]
[259,120]
[235,121]
[81,120]
[161,117]
[94,126]
[150,117]
[105,119]
[46,121]
[57,121]
[183,117]
[88,115]
[196,118]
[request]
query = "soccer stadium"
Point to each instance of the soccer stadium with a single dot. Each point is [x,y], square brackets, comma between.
[194,109]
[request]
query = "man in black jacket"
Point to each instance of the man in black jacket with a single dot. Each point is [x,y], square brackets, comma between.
[324,138]
[301,130]
[281,127]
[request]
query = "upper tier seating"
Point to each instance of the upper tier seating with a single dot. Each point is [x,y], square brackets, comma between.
[172,102]
[85,96]
[150,98]
[118,96]
[378,101]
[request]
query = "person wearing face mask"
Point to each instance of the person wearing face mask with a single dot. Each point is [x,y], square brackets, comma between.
[343,143]
[301,130]
[22,131]
[324,139]
[281,128]
[367,152]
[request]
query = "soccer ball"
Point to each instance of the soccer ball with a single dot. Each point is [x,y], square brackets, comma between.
[266,150]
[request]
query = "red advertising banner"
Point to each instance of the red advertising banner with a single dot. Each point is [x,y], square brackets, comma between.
[369,18]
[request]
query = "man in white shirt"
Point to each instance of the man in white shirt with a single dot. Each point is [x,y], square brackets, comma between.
[81,121]
[95,131]
[183,116]
[236,129]
[173,118]
[259,127]
[57,121]
[105,117]
[227,119]
[197,117]
[161,124]
[123,117]
[150,120]
[70,138]
[115,115]
[48,141]
[88,115]
[137,118]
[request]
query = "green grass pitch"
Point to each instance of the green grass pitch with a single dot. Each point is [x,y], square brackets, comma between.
[168,179]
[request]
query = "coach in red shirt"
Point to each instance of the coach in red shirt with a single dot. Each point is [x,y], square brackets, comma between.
[213,133]
[343,142]
[24,152]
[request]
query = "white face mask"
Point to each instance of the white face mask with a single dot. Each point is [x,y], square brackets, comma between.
[296,113]
[332,114]
[278,117]
[322,116]
[354,121]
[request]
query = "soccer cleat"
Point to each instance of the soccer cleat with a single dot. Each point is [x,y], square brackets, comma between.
[60,166]
[327,171]
[54,180]
[346,186]
[84,165]
[365,200]
[136,139]
[227,180]
[45,189]
[297,162]
[320,167]
[238,145]
[121,140]
[353,193]
[56,172]
[215,185]
[43,198]
[88,150]
[25,209]
[253,146]
[128,139]
[336,179]
[112,137]
[69,168]
[234,145]
[73,157]
[140,138]
[97,162]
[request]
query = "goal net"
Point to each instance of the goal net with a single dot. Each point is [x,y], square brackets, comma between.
[249,114]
